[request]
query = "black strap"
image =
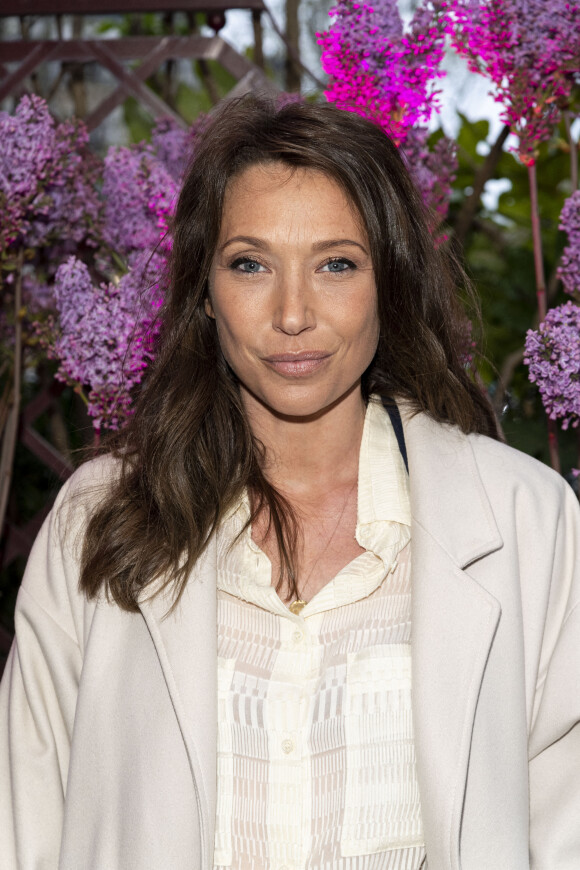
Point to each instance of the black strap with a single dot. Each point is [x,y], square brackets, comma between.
[393,412]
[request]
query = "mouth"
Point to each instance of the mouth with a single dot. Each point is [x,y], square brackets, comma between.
[298,364]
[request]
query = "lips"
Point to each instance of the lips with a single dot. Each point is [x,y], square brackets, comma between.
[298,364]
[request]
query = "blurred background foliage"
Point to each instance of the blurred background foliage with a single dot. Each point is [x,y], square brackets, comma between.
[498,253]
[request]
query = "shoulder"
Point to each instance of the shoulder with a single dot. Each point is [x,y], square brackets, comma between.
[89,487]
[93,480]
[84,491]
[529,494]
[50,582]
[503,466]
[443,452]
[457,468]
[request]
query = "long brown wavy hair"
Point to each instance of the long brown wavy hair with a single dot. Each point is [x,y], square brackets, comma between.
[188,452]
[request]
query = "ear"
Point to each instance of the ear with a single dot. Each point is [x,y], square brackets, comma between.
[208,307]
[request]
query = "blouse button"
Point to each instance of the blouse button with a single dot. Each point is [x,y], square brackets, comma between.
[297,636]
[287,746]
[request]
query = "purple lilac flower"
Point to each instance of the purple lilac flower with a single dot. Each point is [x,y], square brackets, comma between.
[433,171]
[384,73]
[174,146]
[47,178]
[552,353]
[27,138]
[530,49]
[106,334]
[569,271]
[136,188]
[380,71]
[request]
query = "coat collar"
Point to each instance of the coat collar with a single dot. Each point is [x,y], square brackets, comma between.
[454,620]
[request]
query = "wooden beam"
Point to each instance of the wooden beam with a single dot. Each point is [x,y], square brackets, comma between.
[111,53]
[108,7]
[18,540]
[32,57]
[43,400]
[150,64]
[124,49]
[132,84]
[47,454]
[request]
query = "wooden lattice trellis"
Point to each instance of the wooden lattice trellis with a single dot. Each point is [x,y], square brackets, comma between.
[150,52]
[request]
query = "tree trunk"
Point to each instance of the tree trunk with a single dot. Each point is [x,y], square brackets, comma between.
[485,172]
[293,39]
[258,38]
[78,87]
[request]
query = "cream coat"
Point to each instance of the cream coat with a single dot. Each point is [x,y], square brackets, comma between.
[108,719]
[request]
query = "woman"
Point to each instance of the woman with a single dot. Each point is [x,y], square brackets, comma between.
[212,665]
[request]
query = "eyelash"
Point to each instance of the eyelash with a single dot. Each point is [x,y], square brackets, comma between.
[240,261]
[344,260]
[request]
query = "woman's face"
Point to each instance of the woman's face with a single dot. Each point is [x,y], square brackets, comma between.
[292,291]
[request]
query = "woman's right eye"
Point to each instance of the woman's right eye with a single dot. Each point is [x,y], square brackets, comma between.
[246,265]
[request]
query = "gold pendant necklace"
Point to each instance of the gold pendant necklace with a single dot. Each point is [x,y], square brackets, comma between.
[298,606]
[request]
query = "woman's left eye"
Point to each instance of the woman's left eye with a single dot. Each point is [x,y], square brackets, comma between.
[338,265]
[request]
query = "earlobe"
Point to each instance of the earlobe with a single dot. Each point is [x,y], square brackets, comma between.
[208,308]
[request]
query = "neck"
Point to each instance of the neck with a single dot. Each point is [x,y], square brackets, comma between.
[306,455]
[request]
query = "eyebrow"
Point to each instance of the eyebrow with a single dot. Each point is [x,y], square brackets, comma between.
[323,245]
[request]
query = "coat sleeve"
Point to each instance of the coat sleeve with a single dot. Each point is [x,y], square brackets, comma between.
[38,693]
[554,745]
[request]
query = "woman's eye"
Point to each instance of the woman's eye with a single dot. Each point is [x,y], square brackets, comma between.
[342,265]
[245,264]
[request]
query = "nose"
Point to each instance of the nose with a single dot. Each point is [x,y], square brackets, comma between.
[294,309]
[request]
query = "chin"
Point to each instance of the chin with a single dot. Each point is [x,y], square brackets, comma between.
[297,401]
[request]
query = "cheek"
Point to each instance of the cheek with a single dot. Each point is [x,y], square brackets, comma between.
[372,341]
[368,320]
[235,330]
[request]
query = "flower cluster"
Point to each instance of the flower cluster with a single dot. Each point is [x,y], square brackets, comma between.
[552,353]
[174,146]
[569,271]
[104,334]
[47,180]
[97,314]
[137,189]
[530,49]
[433,171]
[379,70]
[383,72]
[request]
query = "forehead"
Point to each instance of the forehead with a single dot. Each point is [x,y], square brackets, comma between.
[264,195]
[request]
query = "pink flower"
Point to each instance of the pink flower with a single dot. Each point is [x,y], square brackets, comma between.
[530,50]
[390,75]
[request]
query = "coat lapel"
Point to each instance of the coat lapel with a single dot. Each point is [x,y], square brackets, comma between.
[454,620]
[186,644]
